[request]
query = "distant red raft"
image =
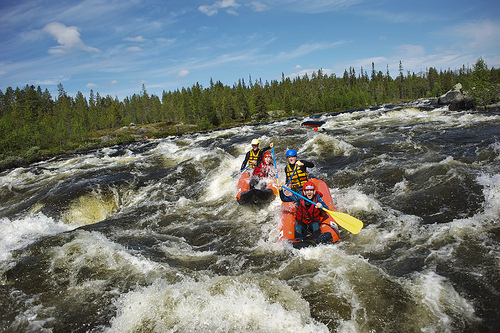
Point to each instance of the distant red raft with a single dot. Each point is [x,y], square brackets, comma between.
[255,196]
[328,225]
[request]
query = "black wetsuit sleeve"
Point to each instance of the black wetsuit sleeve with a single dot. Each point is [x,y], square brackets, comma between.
[263,150]
[308,164]
[247,157]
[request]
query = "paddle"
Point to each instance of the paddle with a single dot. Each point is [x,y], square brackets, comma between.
[275,166]
[290,180]
[349,223]
[236,174]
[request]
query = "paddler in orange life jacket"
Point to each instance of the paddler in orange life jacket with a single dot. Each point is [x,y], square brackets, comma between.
[254,156]
[263,172]
[308,217]
[296,170]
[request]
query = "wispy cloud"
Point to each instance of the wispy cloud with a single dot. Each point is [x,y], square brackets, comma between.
[67,37]
[258,6]
[183,73]
[480,35]
[139,39]
[133,49]
[414,17]
[229,5]
[313,6]
[306,49]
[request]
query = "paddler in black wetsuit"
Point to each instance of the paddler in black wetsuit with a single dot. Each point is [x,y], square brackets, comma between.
[254,156]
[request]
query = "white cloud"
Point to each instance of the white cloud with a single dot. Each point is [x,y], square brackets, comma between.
[229,5]
[133,49]
[113,82]
[51,81]
[68,37]
[305,49]
[259,6]
[313,6]
[183,73]
[91,85]
[480,35]
[139,39]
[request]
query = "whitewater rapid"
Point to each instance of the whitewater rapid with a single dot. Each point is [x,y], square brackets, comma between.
[149,237]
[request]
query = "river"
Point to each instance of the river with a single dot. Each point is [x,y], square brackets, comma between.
[148,237]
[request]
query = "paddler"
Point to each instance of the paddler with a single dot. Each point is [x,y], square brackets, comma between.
[296,173]
[254,156]
[308,217]
[263,171]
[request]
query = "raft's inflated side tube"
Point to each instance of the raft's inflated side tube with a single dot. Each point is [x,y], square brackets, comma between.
[245,195]
[328,234]
[312,123]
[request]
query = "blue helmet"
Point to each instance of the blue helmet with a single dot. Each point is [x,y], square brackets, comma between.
[291,152]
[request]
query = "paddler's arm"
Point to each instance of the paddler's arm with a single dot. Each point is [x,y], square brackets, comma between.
[287,198]
[307,164]
[247,157]
[321,204]
[263,150]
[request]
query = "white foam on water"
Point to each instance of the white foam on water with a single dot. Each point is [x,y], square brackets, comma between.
[322,144]
[93,252]
[249,303]
[438,304]
[491,191]
[18,233]
[352,200]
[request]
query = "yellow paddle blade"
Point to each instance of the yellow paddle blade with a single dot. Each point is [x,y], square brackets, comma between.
[349,223]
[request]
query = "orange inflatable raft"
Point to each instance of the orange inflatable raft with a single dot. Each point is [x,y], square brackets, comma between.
[255,196]
[329,228]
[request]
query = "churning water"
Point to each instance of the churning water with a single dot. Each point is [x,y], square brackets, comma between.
[148,237]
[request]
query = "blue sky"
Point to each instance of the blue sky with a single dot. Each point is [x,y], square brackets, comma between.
[114,47]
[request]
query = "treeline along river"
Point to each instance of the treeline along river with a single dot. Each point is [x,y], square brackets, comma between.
[148,237]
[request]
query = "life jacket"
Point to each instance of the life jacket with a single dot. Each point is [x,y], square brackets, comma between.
[308,215]
[253,157]
[262,170]
[299,177]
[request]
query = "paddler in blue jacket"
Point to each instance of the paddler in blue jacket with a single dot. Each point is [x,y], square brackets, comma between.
[254,156]
[296,170]
[308,217]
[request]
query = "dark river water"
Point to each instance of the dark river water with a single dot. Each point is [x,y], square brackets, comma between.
[148,237]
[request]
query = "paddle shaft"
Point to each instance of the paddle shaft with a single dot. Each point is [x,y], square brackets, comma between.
[236,174]
[275,166]
[290,180]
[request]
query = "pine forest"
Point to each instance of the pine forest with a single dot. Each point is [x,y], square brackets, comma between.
[33,120]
